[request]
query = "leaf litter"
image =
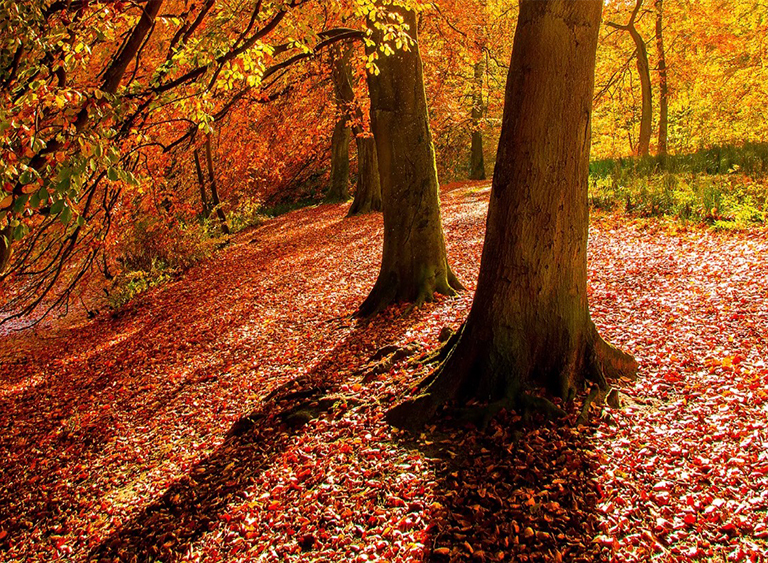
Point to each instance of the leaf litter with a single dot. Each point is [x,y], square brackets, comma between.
[223,417]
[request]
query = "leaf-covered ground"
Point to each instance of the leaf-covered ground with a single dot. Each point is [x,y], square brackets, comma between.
[225,417]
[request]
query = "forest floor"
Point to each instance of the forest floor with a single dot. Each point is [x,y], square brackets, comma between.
[224,416]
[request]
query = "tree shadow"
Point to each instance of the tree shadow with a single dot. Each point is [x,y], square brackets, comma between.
[513,492]
[200,500]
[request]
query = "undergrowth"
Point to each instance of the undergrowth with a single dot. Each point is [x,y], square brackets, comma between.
[725,187]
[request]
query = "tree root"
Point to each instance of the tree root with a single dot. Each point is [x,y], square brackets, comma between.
[384,359]
[412,414]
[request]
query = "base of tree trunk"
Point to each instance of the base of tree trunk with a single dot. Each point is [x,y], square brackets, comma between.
[457,376]
[391,289]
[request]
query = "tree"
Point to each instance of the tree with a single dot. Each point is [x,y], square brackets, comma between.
[344,94]
[663,88]
[644,73]
[529,325]
[414,263]
[96,96]
[477,161]
[368,191]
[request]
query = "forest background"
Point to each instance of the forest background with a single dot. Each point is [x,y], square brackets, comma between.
[117,173]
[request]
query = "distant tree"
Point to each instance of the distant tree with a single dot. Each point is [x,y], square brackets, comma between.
[344,98]
[529,326]
[644,73]
[663,87]
[477,160]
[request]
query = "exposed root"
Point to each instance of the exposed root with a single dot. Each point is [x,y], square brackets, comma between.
[531,405]
[384,359]
[596,396]
[615,364]
[414,413]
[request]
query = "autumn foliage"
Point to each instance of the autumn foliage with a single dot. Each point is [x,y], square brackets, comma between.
[186,373]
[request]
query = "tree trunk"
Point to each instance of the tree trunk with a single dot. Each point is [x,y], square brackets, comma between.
[646,115]
[339,188]
[201,182]
[477,161]
[214,191]
[6,235]
[341,75]
[529,325]
[663,90]
[368,194]
[414,263]
[644,73]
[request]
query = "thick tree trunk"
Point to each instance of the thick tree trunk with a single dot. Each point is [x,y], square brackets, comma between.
[339,188]
[214,191]
[529,325]
[414,264]
[477,161]
[368,194]
[663,88]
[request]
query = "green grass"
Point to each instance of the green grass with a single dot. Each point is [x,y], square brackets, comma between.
[726,187]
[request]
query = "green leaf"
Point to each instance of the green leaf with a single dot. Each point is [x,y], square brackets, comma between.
[20,231]
[20,203]
[112,174]
[57,207]
[66,215]
[64,184]
[28,176]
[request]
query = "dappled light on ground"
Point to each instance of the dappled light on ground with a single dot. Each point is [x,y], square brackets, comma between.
[224,416]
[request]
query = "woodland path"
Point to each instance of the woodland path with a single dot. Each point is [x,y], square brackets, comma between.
[125,438]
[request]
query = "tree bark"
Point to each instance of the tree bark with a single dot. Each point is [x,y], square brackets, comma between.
[644,73]
[341,75]
[414,263]
[368,192]
[201,182]
[477,161]
[339,188]
[214,191]
[663,87]
[6,234]
[529,326]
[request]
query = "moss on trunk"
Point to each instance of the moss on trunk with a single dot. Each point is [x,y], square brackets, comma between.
[414,263]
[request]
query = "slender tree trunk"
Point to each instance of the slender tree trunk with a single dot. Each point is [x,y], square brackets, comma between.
[477,161]
[341,75]
[529,325]
[214,191]
[339,188]
[201,182]
[646,114]
[644,73]
[368,190]
[368,193]
[414,264]
[663,89]
[6,235]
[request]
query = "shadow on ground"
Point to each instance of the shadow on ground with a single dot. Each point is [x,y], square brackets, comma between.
[513,492]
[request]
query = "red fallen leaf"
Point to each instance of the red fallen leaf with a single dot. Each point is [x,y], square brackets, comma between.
[662,525]
[441,551]
[3,534]
[689,519]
